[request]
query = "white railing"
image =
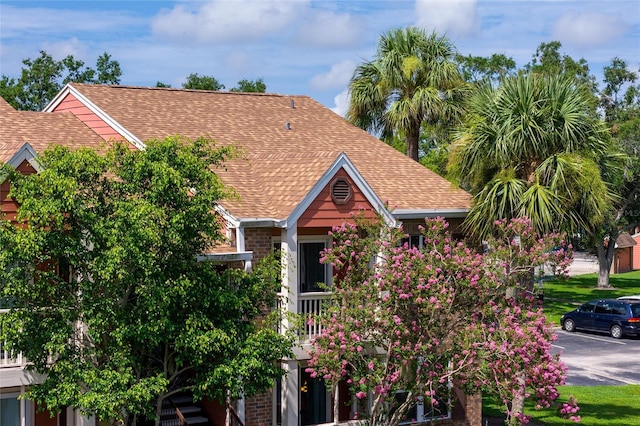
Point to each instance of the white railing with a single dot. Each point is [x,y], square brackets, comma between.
[8,358]
[309,305]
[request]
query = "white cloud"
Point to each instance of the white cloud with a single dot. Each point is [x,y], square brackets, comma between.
[450,17]
[219,20]
[339,75]
[61,49]
[328,29]
[341,102]
[588,29]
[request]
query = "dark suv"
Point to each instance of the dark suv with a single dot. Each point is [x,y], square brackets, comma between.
[617,317]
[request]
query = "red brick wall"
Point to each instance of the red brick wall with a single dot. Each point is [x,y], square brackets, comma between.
[258,240]
[258,410]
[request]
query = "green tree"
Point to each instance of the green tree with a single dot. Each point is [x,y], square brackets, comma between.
[202,82]
[615,103]
[108,298]
[255,86]
[622,113]
[478,68]
[533,148]
[108,70]
[42,78]
[412,81]
[548,60]
[161,84]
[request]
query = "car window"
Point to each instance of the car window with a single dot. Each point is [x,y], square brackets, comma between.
[587,307]
[635,310]
[619,309]
[603,308]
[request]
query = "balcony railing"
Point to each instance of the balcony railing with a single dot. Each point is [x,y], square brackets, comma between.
[9,358]
[310,305]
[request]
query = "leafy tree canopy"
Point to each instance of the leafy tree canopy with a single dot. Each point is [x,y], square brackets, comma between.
[533,148]
[619,104]
[202,82]
[107,297]
[255,86]
[412,82]
[42,78]
[493,68]
[549,61]
[422,318]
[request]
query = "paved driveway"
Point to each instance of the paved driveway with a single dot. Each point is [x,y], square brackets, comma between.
[598,359]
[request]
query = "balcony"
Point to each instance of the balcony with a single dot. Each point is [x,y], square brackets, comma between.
[310,304]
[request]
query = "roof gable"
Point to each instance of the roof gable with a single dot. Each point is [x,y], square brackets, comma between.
[341,163]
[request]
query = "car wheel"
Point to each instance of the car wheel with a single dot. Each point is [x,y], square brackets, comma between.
[569,325]
[616,331]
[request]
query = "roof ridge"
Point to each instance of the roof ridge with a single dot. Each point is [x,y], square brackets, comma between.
[181,89]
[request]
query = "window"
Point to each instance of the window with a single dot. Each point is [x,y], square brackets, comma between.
[313,274]
[587,307]
[415,241]
[9,410]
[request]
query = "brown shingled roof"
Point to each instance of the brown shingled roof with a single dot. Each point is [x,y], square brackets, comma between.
[289,141]
[625,240]
[40,130]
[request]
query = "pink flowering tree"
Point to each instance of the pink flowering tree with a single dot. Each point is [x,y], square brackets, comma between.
[416,322]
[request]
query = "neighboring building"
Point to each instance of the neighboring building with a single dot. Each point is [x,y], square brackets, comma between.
[623,257]
[304,170]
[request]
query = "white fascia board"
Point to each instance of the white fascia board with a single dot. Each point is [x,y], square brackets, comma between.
[225,257]
[25,153]
[249,222]
[405,214]
[341,162]
[231,220]
[68,88]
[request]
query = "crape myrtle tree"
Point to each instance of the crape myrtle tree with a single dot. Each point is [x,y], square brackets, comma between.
[107,298]
[425,320]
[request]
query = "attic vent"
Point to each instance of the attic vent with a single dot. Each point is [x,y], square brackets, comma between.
[340,191]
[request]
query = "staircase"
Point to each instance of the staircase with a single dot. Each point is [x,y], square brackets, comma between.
[180,410]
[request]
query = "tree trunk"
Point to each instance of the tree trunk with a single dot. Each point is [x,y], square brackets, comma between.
[413,136]
[159,402]
[605,259]
[517,403]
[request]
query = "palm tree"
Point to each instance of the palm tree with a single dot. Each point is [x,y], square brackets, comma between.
[533,147]
[412,80]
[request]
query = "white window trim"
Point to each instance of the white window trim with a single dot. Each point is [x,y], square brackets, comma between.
[328,269]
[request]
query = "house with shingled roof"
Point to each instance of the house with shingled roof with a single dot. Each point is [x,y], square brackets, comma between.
[303,170]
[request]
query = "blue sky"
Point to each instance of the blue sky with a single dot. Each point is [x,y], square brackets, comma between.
[297,46]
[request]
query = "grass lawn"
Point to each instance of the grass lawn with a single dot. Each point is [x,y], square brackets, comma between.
[599,405]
